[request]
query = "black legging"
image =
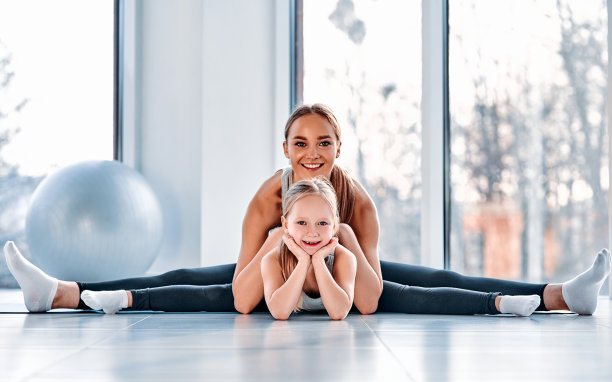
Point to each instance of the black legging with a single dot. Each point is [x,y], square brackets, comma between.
[406,289]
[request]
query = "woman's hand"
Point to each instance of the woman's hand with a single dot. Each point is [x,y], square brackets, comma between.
[297,251]
[326,250]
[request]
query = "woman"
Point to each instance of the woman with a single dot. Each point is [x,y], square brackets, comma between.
[312,143]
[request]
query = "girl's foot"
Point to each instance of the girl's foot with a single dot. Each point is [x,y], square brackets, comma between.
[581,292]
[519,305]
[110,301]
[38,287]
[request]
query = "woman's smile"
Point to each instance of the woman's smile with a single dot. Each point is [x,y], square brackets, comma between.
[312,166]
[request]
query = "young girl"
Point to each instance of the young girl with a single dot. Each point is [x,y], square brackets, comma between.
[308,271]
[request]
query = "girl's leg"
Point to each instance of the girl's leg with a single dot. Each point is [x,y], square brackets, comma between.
[206,276]
[173,298]
[434,278]
[398,298]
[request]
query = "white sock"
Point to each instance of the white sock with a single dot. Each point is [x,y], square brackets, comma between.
[110,301]
[38,287]
[520,305]
[581,292]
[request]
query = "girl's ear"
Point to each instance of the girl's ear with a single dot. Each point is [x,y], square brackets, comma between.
[284,223]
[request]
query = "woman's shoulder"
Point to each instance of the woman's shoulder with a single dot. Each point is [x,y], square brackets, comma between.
[362,198]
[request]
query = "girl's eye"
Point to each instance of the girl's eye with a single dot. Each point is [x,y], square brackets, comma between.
[325,143]
[301,222]
[322,223]
[300,144]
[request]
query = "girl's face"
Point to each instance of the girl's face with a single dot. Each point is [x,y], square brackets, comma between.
[310,222]
[312,147]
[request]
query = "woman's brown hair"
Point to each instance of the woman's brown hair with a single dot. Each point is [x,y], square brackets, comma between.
[340,180]
[318,186]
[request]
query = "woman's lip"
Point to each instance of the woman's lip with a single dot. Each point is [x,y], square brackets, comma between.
[313,168]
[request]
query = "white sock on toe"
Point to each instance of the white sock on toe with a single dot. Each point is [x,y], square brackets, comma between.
[110,301]
[38,287]
[520,305]
[581,292]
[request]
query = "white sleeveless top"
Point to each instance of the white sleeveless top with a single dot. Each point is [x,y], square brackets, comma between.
[307,303]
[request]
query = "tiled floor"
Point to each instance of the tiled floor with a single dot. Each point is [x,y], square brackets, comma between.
[67,346]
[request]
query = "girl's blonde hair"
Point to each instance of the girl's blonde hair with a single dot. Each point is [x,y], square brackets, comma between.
[318,186]
[340,180]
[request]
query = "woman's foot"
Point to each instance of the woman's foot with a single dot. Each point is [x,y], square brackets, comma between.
[581,292]
[110,301]
[38,287]
[519,305]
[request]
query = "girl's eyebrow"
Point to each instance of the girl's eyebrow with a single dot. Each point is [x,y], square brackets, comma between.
[322,137]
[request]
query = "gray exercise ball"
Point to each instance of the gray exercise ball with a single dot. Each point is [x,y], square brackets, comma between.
[93,221]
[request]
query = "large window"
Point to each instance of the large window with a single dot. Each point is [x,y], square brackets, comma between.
[56,98]
[529,159]
[363,59]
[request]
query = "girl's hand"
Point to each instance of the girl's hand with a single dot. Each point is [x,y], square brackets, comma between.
[297,251]
[326,250]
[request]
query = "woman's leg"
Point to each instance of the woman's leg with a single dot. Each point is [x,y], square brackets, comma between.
[43,292]
[434,278]
[578,295]
[220,274]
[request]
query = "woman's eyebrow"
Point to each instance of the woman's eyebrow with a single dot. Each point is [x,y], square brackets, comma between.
[322,137]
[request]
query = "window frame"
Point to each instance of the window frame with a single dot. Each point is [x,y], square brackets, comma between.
[435,207]
[435,169]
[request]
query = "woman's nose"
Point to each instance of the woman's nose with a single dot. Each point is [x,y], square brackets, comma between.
[313,152]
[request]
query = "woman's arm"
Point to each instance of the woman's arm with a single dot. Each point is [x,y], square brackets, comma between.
[360,237]
[336,291]
[263,213]
[282,296]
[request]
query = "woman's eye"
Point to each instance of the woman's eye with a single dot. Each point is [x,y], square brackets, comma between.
[325,143]
[301,222]
[300,144]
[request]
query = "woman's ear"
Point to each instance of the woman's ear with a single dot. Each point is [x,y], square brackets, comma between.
[338,149]
[286,149]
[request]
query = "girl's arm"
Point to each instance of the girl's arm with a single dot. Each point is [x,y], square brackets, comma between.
[336,291]
[282,296]
[361,238]
[262,214]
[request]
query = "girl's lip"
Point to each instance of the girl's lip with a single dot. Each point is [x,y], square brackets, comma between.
[311,244]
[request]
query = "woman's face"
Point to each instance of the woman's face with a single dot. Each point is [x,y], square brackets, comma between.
[312,147]
[310,222]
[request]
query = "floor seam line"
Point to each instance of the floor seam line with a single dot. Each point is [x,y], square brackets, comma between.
[397,359]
